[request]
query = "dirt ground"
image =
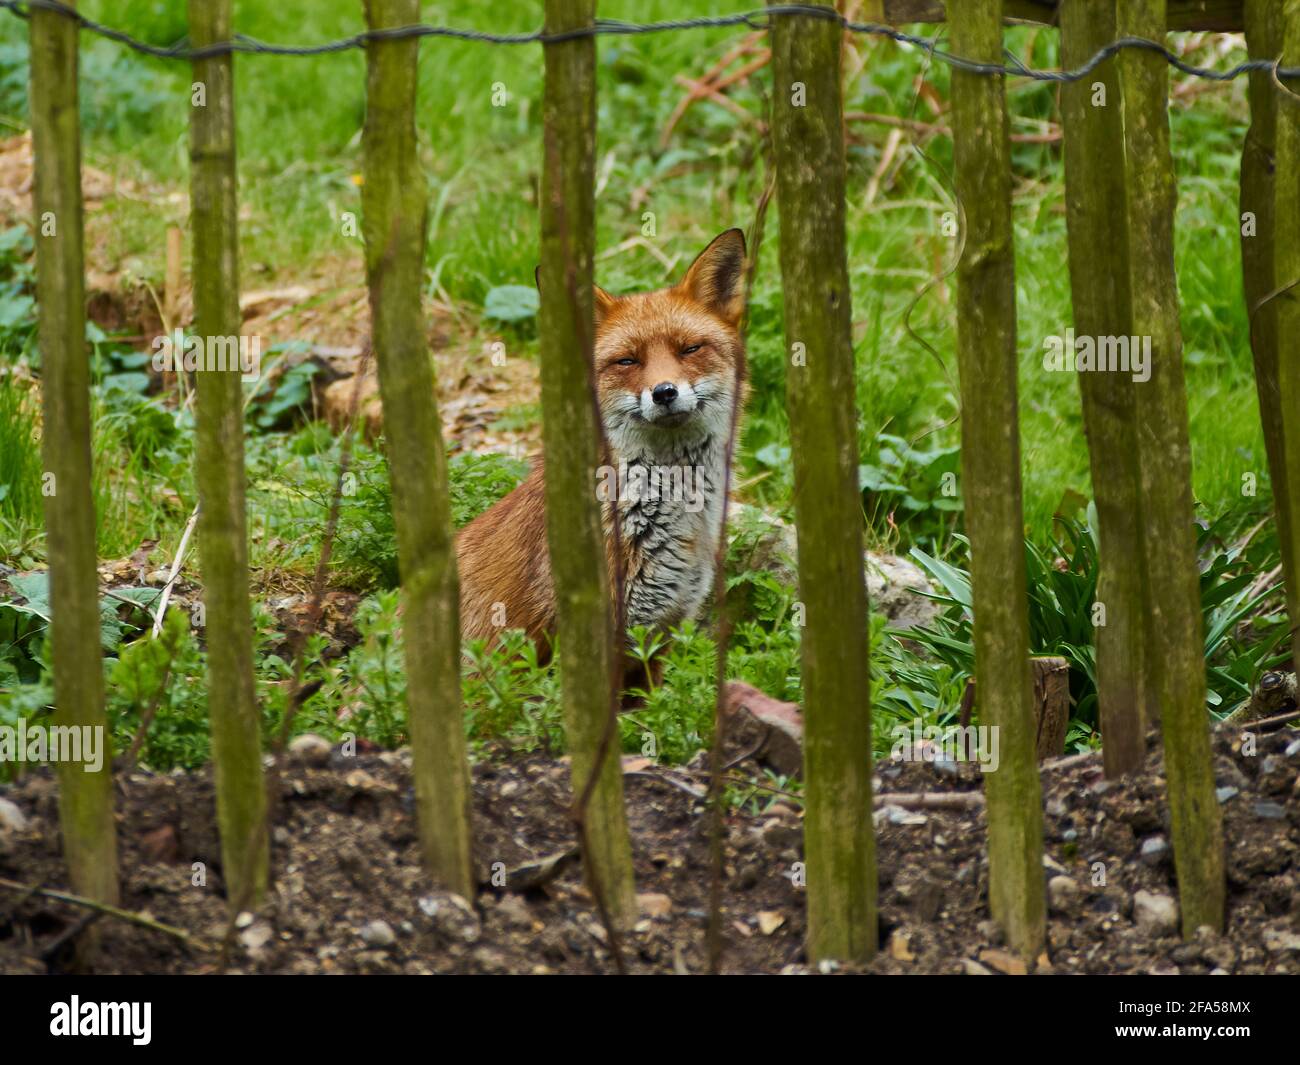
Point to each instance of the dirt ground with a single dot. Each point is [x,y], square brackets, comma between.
[349,895]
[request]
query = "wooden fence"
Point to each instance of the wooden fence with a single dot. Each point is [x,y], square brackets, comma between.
[1120,197]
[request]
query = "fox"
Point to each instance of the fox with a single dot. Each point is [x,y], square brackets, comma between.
[669,370]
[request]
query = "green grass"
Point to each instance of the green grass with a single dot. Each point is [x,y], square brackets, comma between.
[299,123]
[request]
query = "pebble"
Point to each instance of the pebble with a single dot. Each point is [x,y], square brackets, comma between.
[452,916]
[310,749]
[973,968]
[378,934]
[11,817]
[1063,895]
[1157,915]
[1225,793]
[1154,850]
[1270,811]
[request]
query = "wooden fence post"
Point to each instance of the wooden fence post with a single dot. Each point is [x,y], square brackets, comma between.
[990,449]
[85,799]
[808,134]
[395,204]
[1176,655]
[1094,176]
[571,437]
[219,467]
[1279,323]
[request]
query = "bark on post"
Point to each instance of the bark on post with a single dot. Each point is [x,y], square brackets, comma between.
[571,437]
[85,799]
[1176,652]
[986,348]
[1094,179]
[1277,366]
[395,204]
[219,467]
[807,126]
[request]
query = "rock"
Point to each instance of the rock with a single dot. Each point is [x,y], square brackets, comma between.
[898,946]
[378,934]
[452,917]
[775,728]
[1280,941]
[895,586]
[1154,851]
[1225,793]
[1270,811]
[769,921]
[1004,962]
[11,817]
[1063,895]
[1156,915]
[654,904]
[971,967]
[1215,950]
[255,938]
[310,749]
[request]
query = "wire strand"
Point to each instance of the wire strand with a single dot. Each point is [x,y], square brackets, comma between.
[757,20]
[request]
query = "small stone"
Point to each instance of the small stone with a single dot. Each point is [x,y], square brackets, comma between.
[1063,895]
[1225,793]
[1056,808]
[452,916]
[11,817]
[509,789]
[244,919]
[769,921]
[1156,915]
[378,934]
[255,937]
[654,904]
[898,947]
[310,749]
[1270,811]
[971,967]
[1154,850]
[898,816]
[1004,961]
[1069,835]
[1280,941]
[1292,749]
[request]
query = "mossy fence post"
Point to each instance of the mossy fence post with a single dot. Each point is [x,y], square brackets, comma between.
[395,204]
[990,450]
[571,439]
[839,843]
[1283,330]
[219,466]
[1176,654]
[1094,178]
[85,799]
[1258,263]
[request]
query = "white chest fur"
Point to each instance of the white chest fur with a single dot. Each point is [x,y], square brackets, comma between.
[670,506]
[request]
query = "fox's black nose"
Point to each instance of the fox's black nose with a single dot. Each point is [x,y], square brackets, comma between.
[664,393]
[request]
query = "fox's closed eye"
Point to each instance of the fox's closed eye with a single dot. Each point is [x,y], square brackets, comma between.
[626,362]
[692,349]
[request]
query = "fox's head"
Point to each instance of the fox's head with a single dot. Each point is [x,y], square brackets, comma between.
[670,364]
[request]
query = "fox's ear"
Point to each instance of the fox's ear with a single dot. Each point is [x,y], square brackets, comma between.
[717,277]
[602,301]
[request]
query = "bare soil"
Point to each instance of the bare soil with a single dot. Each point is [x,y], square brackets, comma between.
[345,857]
